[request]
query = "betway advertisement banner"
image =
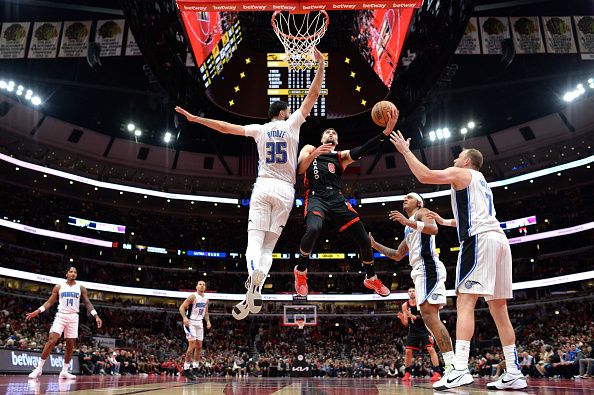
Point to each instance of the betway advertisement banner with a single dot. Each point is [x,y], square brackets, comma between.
[23,361]
[293,5]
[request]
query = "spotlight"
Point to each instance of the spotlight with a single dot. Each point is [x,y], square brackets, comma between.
[131,127]
[21,88]
[167,137]
[446,133]
[463,130]
[471,125]
[590,80]
[19,93]
[439,134]
[36,100]
[432,135]
[137,133]
[11,83]
[3,84]
[10,88]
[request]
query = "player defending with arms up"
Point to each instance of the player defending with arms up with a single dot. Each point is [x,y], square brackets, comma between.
[323,168]
[193,310]
[484,263]
[428,274]
[274,191]
[69,295]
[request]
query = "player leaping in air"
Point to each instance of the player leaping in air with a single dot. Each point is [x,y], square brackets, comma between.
[274,192]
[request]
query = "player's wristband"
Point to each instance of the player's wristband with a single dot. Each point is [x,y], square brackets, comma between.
[41,309]
[94,313]
[420,226]
[447,222]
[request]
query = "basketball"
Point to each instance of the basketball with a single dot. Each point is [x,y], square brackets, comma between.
[380,111]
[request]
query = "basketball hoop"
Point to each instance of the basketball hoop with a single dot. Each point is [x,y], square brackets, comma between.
[299,34]
[300,323]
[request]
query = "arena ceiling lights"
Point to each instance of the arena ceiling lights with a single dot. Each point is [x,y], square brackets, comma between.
[18,90]
[494,184]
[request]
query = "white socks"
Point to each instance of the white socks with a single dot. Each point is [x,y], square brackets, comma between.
[448,358]
[186,365]
[253,251]
[41,363]
[462,353]
[511,359]
[195,365]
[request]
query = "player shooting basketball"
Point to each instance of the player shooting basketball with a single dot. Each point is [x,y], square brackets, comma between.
[323,168]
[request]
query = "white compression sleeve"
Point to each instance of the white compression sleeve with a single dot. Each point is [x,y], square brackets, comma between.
[254,249]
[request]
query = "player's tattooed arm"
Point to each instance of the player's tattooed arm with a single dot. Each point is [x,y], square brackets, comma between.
[49,303]
[85,299]
[395,254]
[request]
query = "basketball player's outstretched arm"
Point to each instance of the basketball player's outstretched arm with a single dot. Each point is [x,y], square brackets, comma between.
[459,178]
[349,156]
[391,253]
[316,85]
[309,153]
[85,299]
[219,126]
[184,307]
[427,226]
[49,303]
[438,218]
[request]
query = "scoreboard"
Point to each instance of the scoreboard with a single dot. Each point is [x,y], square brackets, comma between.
[292,85]
[221,54]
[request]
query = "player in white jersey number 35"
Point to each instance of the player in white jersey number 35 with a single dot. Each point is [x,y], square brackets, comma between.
[274,191]
[68,294]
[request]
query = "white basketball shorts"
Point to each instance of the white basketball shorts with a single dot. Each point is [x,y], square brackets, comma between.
[270,205]
[429,278]
[67,324]
[195,331]
[485,266]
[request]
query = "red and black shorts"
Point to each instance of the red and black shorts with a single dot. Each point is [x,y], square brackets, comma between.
[334,206]
[418,340]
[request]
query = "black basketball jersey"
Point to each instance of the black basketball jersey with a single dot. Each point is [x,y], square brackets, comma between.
[418,325]
[324,173]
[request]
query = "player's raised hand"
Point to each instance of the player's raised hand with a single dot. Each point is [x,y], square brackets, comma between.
[323,149]
[318,56]
[399,142]
[392,119]
[185,113]
[31,315]
[98,321]
[373,242]
[434,216]
[397,216]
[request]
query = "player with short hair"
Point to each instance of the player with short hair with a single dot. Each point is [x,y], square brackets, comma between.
[484,262]
[193,310]
[69,295]
[428,274]
[323,168]
[274,191]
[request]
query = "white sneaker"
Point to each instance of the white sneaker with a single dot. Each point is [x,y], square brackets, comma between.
[65,375]
[254,295]
[509,381]
[453,378]
[35,373]
[240,310]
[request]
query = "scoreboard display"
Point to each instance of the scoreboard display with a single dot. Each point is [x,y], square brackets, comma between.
[292,85]
[221,54]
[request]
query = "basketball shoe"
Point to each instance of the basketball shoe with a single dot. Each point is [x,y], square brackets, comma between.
[509,381]
[436,377]
[64,375]
[375,284]
[406,376]
[453,378]
[254,293]
[35,373]
[300,282]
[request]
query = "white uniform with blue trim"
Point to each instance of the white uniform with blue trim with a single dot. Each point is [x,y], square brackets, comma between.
[428,272]
[195,313]
[66,320]
[274,192]
[484,261]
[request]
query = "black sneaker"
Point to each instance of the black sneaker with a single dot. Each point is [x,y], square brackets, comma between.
[188,373]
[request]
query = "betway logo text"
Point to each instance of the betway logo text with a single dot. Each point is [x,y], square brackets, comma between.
[24,359]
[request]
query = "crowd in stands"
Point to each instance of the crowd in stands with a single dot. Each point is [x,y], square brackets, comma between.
[553,341]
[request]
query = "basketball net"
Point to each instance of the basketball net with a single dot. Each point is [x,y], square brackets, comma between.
[300,323]
[299,34]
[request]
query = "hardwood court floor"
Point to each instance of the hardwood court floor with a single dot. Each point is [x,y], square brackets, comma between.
[124,385]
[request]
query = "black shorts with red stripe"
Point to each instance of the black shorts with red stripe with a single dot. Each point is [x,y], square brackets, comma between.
[418,340]
[333,206]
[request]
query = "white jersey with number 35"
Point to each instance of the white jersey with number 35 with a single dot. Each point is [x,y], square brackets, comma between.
[277,142]
[69,298]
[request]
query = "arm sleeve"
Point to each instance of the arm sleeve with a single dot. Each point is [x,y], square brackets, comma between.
[371,146]
[295,121]
[252,130]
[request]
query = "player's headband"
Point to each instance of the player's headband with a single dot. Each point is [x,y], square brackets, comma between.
[416,196]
